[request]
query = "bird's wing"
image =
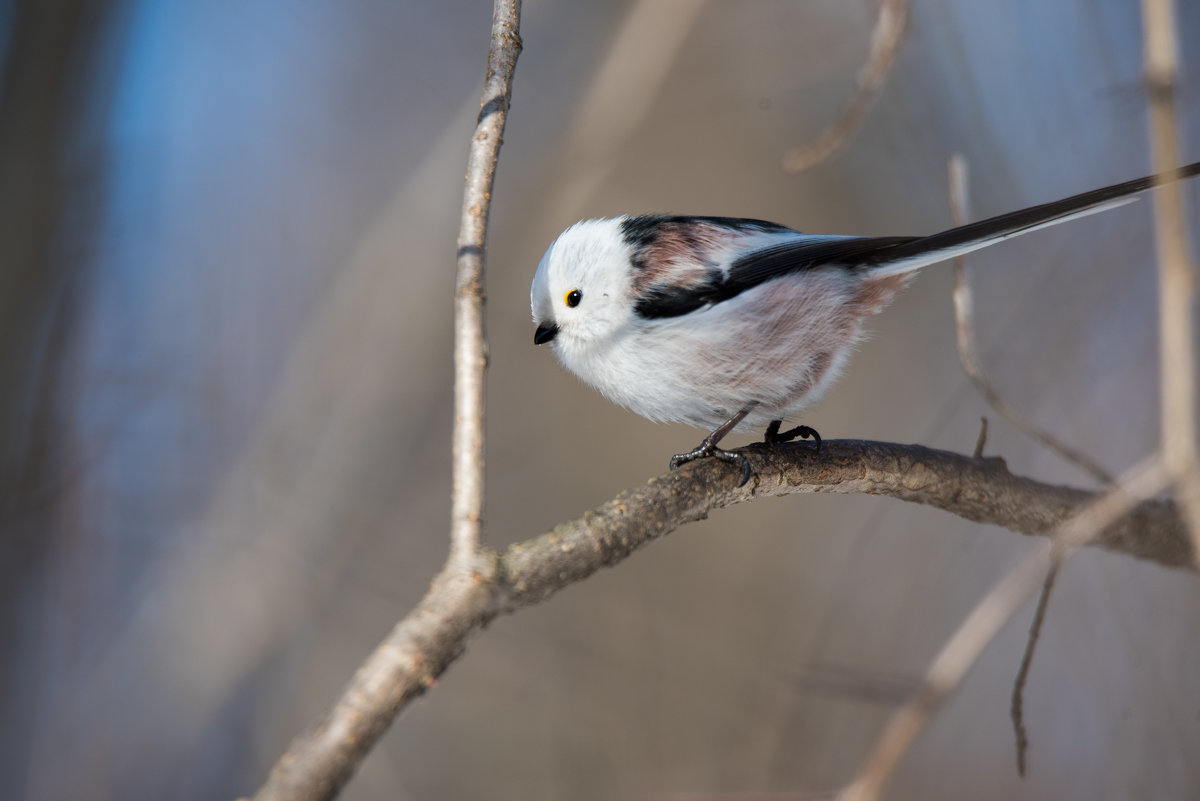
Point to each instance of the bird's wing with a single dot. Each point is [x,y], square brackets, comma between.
[809,253]
[683,286]
[675,294]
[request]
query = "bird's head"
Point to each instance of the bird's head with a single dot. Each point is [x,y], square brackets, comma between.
[581,292]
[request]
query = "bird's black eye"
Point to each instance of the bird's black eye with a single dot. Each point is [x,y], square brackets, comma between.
[573,297]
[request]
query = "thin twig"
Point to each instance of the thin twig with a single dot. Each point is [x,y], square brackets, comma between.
[981,626]
[969,359]
[1177,275]
[1017,706]
[319,762]
[886,37]
[981,441]
[968,352]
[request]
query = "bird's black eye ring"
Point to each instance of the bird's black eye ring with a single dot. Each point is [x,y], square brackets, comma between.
[573,297]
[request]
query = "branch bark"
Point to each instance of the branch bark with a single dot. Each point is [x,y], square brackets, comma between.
[461,603]
[470,345]
[982,490]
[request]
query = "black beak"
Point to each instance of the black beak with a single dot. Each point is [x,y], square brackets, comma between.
[544,333]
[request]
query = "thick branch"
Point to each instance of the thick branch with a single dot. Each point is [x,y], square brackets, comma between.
[461,602]
[982,490]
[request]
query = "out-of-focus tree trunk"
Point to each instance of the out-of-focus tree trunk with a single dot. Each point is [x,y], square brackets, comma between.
[53,88]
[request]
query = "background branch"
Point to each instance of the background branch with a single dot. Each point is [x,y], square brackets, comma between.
[968,351]
[968,357]
[886,37]
[1176,274]
[1176,463]
[962,650]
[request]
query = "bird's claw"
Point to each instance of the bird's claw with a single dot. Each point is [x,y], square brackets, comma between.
[773,436]
[705,450]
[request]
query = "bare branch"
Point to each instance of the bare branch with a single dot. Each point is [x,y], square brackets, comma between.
[318,763]
[470,346]
[981,626]
[886,37]
[968,353]
[968,357]
[461,603]
[1177,275]
[982,490]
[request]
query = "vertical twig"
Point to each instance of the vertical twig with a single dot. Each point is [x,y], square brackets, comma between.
[470,345]
[1177,276]
[968,357]
[319,762]
[968,353]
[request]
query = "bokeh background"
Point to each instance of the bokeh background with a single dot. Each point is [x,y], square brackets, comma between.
[227,240]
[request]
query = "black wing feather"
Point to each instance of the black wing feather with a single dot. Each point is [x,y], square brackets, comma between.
[762,265]
[808,254]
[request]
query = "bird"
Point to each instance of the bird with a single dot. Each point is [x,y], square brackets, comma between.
[730,323]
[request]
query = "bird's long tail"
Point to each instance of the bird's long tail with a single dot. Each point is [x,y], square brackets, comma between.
[923,251]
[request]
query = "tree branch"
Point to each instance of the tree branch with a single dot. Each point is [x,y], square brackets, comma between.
[470,345]
[982,490]
[462,603]
[1176,273]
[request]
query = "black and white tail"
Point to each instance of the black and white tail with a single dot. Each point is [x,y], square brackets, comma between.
[913,254]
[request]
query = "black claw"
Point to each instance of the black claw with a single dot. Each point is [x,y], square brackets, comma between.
[709,446]
[705,450]
[772,435]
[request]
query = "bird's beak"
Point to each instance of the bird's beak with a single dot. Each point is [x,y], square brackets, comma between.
[545,333]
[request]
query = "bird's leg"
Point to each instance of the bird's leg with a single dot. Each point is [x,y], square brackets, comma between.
[709,447]
[773,437]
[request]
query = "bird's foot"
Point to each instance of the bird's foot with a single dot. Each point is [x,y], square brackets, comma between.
[707,448]
[772,436]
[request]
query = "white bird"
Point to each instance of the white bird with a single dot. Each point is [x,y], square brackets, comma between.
[724,322]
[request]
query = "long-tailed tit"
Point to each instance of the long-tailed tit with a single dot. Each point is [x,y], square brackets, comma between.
[726,323]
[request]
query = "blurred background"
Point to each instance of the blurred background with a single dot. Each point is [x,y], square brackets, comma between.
[227,240]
